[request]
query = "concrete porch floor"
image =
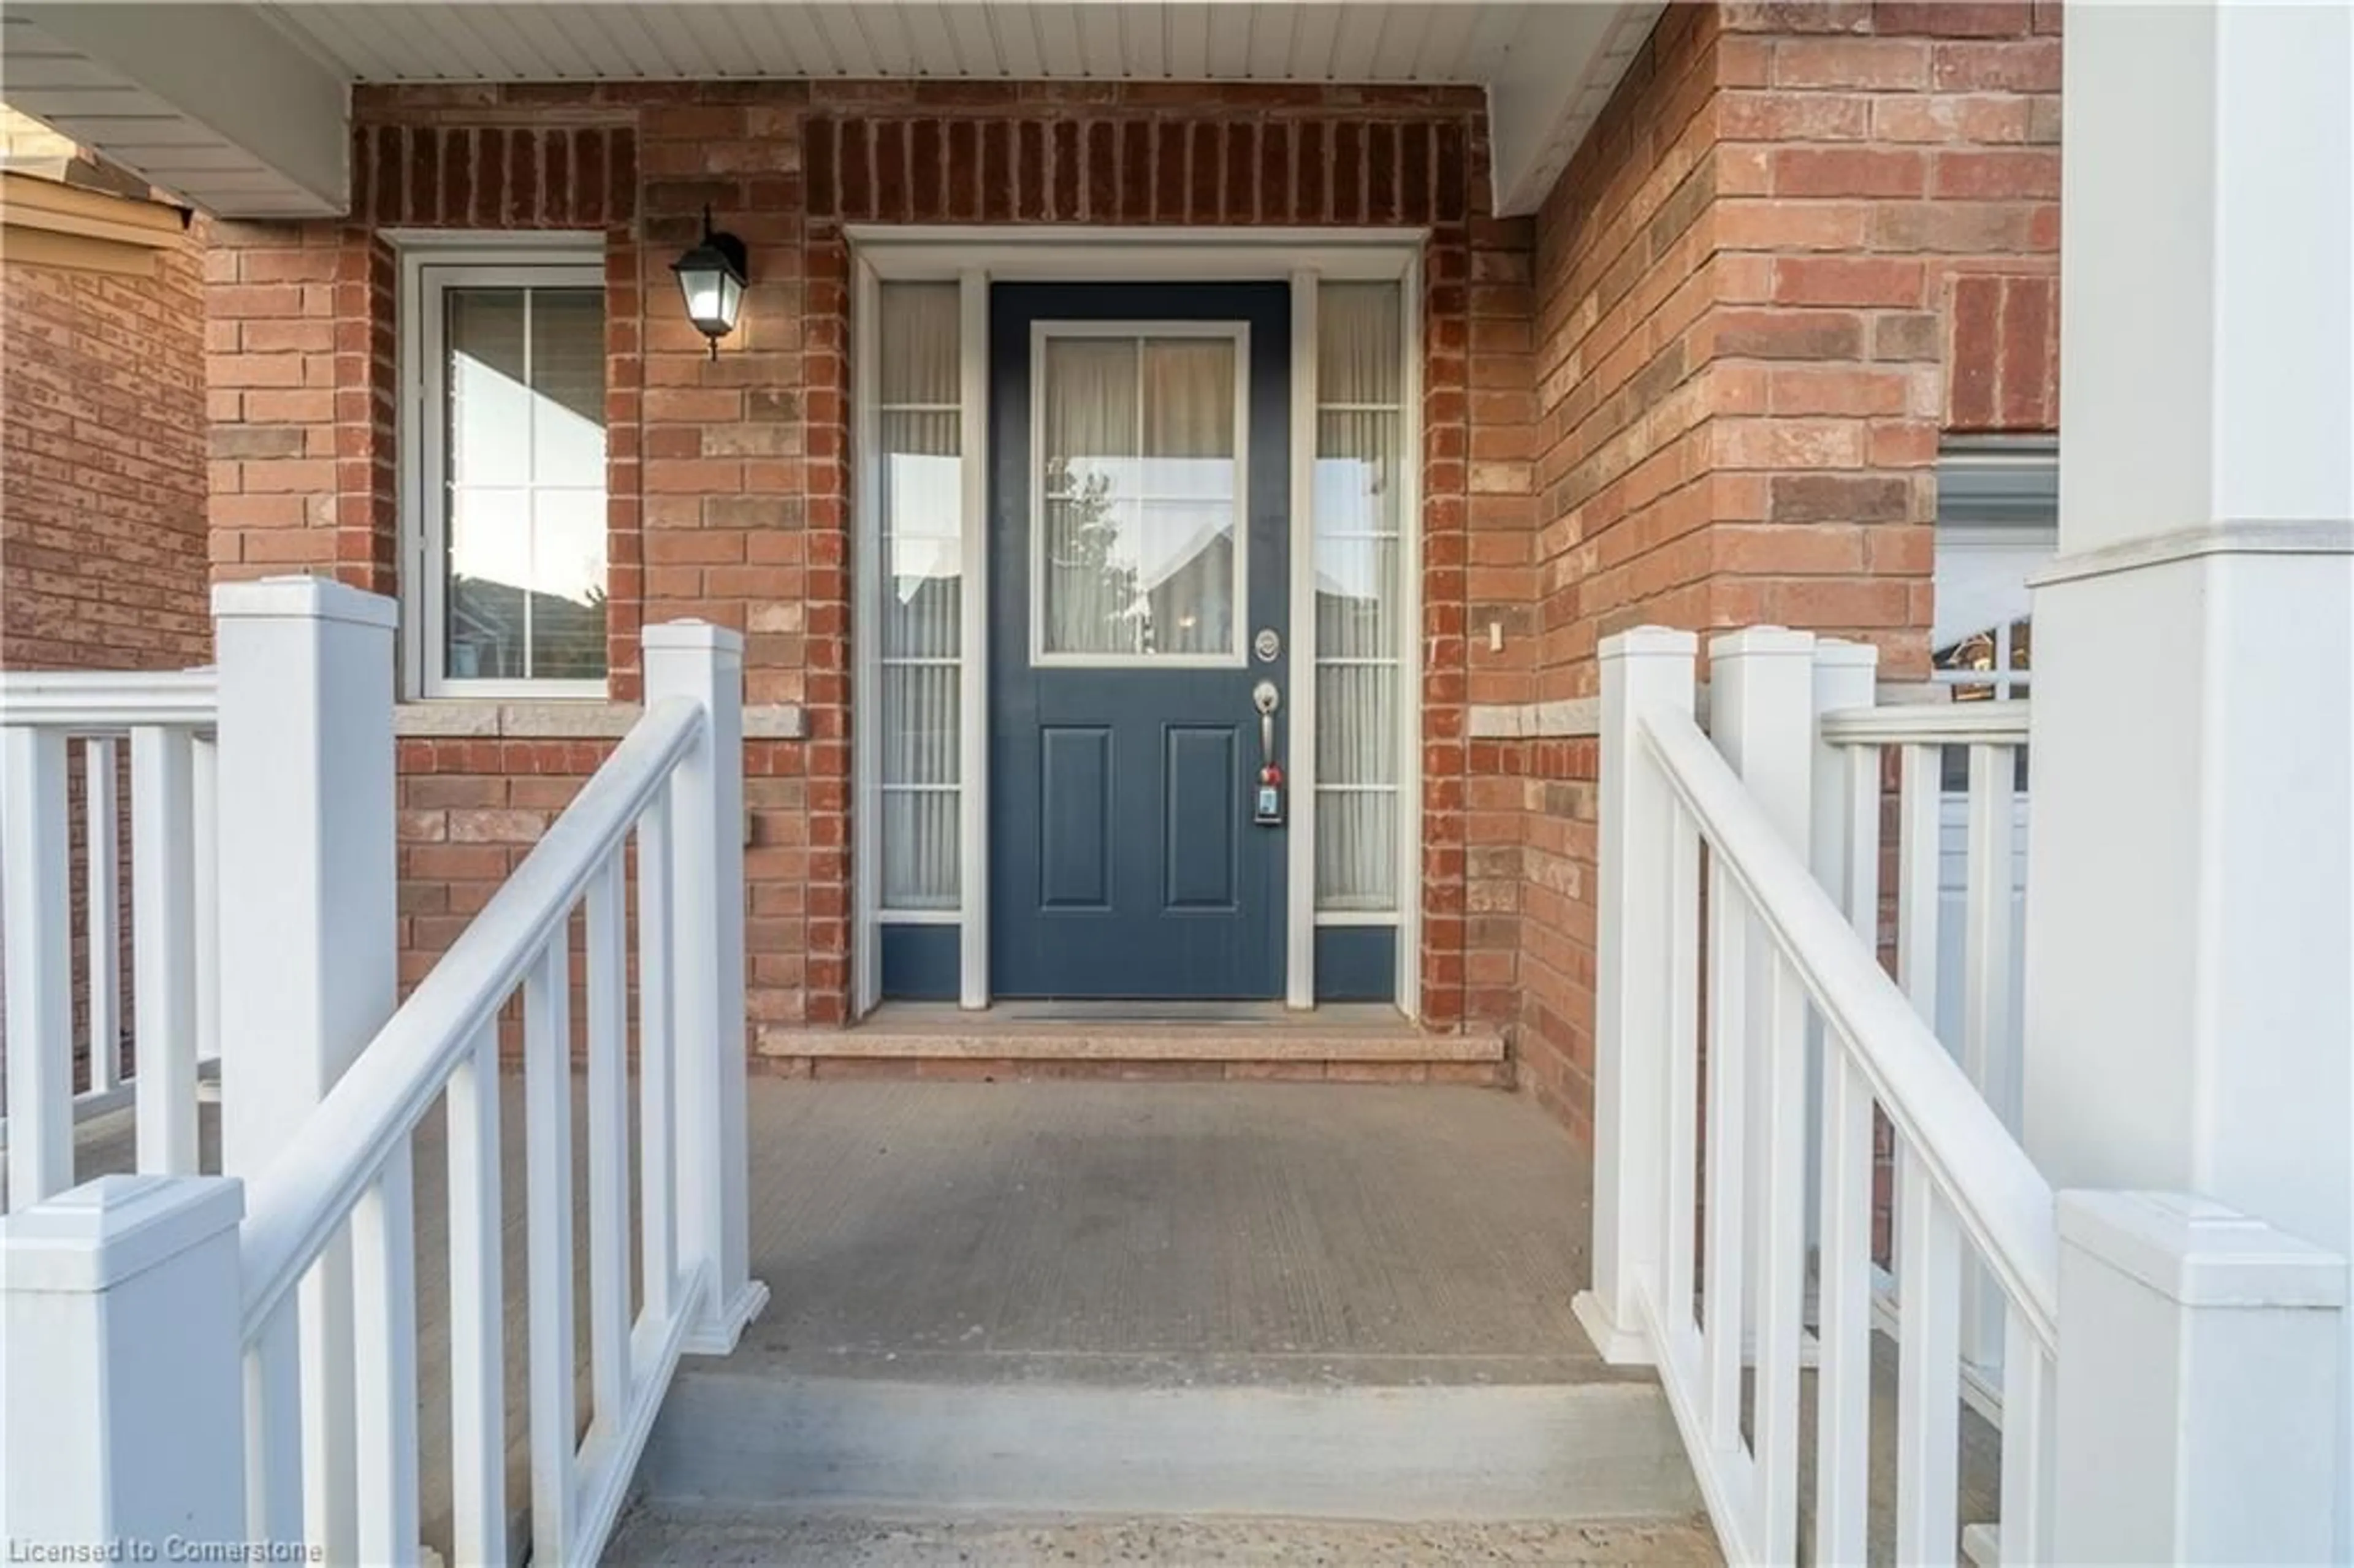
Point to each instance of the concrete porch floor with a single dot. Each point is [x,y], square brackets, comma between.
[1227,1232]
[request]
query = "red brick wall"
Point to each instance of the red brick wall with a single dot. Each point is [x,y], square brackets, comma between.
[1801,242]
[102,468]
[730,478]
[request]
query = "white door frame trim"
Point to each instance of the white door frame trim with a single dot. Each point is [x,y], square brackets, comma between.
[975,258]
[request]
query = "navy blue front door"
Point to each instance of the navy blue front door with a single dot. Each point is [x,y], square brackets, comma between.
[1138,517]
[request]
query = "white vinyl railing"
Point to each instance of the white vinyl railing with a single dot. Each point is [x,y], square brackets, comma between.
[1747,1039]
[1960,933]
[351,1164]
[56,727]
[286,1413]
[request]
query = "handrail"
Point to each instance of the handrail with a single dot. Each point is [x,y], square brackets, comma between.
[291,1212]
[1929,723]
[2001,1200]
[108,699]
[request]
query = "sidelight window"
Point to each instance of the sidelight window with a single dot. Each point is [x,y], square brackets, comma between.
[919,437]
[1357,498]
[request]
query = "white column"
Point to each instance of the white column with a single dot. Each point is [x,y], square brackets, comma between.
[308,931]
[1647,669]
[2189,1023]
[2198,1385]
[705,664]
[123,1354]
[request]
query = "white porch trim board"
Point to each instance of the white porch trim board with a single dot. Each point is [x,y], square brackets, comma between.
[975,258]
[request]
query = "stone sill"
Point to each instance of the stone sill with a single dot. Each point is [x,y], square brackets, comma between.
[579,718]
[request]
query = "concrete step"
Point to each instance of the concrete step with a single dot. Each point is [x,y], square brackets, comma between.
[1406,1453]
[706,1536]
[1013,1040]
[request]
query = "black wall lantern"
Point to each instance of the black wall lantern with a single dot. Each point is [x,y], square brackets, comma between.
[711,276]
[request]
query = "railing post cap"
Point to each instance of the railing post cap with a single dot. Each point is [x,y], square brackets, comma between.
[104,1232]
[302,599]
[1843,652]
[2198,1253]
[1747,640]
[1650,641]
[690,635]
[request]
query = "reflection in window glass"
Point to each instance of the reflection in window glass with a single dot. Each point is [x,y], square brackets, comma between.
[1998,511]
[1142,496]
[524,484]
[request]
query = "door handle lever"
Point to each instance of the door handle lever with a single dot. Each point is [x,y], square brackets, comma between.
[1266,699]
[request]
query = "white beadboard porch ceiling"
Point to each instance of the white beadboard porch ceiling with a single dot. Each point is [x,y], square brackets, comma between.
[1238,40]
[216,101]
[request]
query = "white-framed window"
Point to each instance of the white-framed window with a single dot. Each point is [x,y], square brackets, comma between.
[1137,542]
[502,472]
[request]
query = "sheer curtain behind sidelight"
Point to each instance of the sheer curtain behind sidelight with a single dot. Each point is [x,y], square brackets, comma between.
[1358,435]
[918,410]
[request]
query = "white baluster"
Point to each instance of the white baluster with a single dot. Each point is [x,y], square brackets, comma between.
[1679,1207]
[608,977]
[1644,671]
[384,1338]
[205,836]
[657,1063]
[1920,782]
[273,1427]
[705,664]
[478,1449]
[1986,1045]
[1859,893]
[119,1342]
[1724,1266]
[162,946]
[1781,1270]
[548,1136]
[1928,1366]
[2028,1411]
[34,886]
[1919,828]
[1843,1305]
[102,911]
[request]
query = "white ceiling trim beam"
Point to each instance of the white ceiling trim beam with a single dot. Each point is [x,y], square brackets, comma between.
[1554,80]
[218,75]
